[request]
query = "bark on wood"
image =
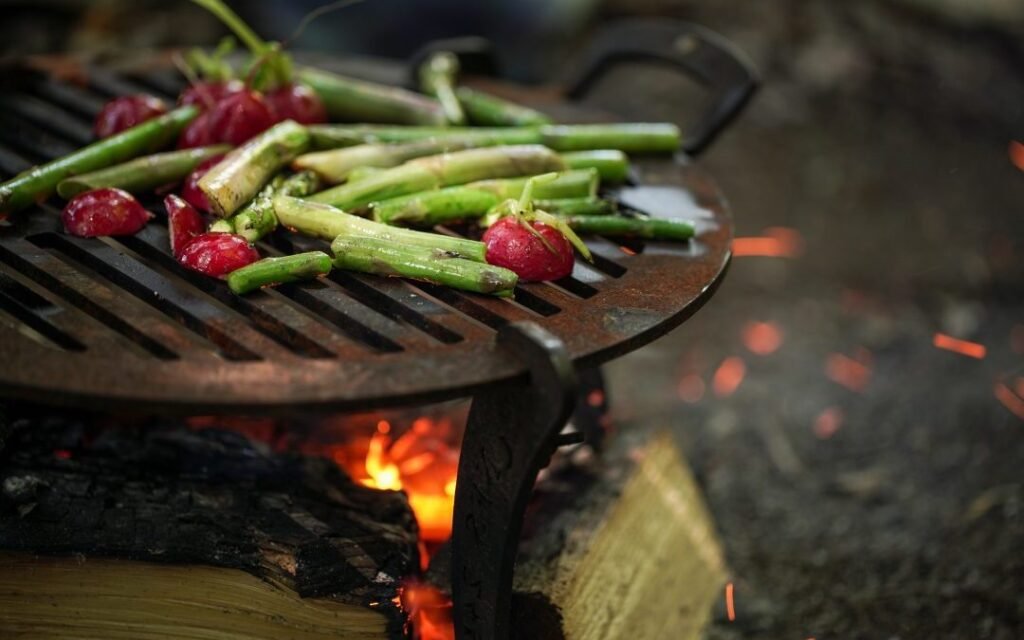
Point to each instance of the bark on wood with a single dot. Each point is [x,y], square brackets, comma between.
[218,510]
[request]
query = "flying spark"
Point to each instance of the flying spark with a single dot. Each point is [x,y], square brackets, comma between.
[730,605]
[762,338]
[828,422]
[777,242]
[691,388]
[729,376]
[844,370]
[963,347]
[1013,403]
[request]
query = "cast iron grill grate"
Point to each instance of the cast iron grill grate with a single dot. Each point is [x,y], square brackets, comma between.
[117,320]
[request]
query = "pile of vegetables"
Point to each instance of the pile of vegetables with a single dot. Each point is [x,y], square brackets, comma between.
[255,152]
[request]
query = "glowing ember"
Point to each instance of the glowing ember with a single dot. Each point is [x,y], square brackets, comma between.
[777,242]
[429,611]
[691,388]
[730,605]
[963,347]
[1010,400]
[844,370]
[1017,154]
[729,376]
[62,454]
[595,398]
[828,422]
[762,338]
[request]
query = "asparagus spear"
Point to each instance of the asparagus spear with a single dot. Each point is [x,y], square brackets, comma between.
[334,166]
[611,164]
[628,137]
[489,111]
[257,218]
[589,206]
[325,221]
[141,174]
[271,271]
[40,182]
[381,257]
[437,78]
[359,173]
[439,206]
[243,172]
[654,228]
[443,170]
[360,101]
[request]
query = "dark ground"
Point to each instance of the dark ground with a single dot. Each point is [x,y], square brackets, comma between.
[904,520]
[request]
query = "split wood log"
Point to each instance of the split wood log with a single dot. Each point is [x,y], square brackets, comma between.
[152,532]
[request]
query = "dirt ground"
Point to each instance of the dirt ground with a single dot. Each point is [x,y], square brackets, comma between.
[866,483]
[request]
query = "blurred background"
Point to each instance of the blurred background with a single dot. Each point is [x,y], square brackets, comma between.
[864,467]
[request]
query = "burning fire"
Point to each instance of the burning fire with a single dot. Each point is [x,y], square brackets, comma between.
[422,462]
[429,611]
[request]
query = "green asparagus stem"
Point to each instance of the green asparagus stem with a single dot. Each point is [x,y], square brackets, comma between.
[381,257]
[589,206]
[258,218]
[359,173]
[611,164]
[490,111]
[334,166]
[442,170]
[141,174]
[271,271]
[325,221]
[627,137]
[332,136]
[360,101]
[654,228]
[472,200]
[243,172]
[437,78]
[637,137]
[41,182]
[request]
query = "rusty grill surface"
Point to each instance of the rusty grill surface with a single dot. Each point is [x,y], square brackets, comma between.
[116,322]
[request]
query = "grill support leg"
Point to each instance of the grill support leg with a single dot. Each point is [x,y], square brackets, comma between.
[510,436]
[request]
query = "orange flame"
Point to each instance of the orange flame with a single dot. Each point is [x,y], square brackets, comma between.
[963,347]
[429,611]
[420,462]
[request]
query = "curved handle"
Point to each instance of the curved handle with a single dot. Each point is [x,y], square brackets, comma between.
[701,53]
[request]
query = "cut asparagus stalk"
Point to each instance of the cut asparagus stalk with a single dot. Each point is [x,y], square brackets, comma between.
[589,206]
[361,101]
[628,137]
[437,78]
[332,136]
[611,164]
[41,182]
[327,222]
[258,218]
[489,111]
[439,206]
[336,165]
[141,174]
[654,228]
[442,170]
[273,271]
[381,257]
[236,179]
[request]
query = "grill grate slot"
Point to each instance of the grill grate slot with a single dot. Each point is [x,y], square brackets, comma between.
[69,97]
[464,304]
[176,302]
[26,307]
[48,272]
[12,163]
[49,117]
[28,139]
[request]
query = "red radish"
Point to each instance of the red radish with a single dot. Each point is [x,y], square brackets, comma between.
[126,112]
[218,254]
[190,190]
[297,102]
[183,223]
[197,133]
[239,117]
[104,212]
[512,245]
[207,94]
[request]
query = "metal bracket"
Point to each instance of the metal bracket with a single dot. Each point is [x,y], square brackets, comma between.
[510,436]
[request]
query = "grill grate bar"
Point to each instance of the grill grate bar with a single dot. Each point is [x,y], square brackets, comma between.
[38,314]
[35,143]
[49,117]
[99,319]
[68,97]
